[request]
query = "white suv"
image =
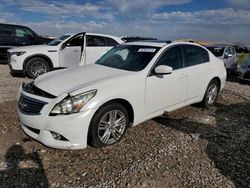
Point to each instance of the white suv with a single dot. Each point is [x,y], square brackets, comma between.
[66,51]
[130,84]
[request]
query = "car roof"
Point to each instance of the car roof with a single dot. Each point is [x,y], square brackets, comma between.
[158,43]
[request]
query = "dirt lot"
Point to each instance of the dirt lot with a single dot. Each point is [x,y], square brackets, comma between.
[192,147]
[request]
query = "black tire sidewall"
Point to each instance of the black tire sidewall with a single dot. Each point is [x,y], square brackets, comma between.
[93,139]
[31,61]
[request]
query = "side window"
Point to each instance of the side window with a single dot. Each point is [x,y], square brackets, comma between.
[95,41]
[172,57]
[233,50]
[195,55]
[23,35]
[110,42]
[6,35]
[75,41]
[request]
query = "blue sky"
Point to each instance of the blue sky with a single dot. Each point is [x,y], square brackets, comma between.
[211,20]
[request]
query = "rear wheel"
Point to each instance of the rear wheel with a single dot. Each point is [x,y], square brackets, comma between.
[108,125]
[211,94]
[36,67]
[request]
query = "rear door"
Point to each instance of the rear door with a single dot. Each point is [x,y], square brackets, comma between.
[198,70]
[70,51]
[96,46]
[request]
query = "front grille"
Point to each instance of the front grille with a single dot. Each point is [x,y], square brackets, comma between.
[30,106]
[247,75]
[32,89]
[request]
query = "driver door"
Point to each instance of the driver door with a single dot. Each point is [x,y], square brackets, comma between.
[167,92]
[70,51]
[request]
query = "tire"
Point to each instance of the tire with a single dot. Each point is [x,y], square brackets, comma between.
[102,132]
[36,67]
[211,94]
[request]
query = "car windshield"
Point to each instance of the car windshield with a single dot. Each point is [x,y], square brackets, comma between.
[217,51]
[57,41]
[128,57]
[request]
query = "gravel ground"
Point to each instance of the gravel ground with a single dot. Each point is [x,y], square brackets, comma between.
[191,147]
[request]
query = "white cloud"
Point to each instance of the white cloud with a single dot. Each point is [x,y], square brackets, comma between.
[135,17]
[240,3]
[61,9]
[3,20]
[221,16]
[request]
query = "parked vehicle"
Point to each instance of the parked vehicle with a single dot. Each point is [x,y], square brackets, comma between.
[79,49]
[16,35]
[227,54]
[244,72]
[130,84]
[240,49]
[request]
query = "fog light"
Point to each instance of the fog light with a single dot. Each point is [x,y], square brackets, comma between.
[58,136]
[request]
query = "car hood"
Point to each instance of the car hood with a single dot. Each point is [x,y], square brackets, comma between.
[69,80]
[33,48]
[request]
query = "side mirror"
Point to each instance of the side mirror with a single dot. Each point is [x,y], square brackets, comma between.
[163,69]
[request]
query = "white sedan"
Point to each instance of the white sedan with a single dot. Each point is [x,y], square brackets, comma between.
[133,82]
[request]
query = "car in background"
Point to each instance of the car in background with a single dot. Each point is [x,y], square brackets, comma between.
[136,38]
[131,83]
[66,51]
[17,35]
[244,72]
[240,49]
[227,54]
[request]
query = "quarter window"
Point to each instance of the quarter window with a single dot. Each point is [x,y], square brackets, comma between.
[172,57]
[196,55]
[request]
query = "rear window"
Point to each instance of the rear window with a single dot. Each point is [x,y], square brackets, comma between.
[217,51]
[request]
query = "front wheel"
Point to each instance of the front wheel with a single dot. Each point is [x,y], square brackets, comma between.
[108,125]
[36,67]
[211,94]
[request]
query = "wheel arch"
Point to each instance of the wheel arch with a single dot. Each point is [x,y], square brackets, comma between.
[125,103]
[218,80]
[37,55]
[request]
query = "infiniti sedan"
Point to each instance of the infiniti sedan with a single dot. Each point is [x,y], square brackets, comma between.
[133,82]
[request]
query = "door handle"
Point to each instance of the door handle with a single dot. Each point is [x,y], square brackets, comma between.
[76,51]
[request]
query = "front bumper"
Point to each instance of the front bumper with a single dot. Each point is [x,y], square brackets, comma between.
[73,127]
[16,73]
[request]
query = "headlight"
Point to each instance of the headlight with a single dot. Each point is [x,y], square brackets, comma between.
[73,104]
[17,53]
